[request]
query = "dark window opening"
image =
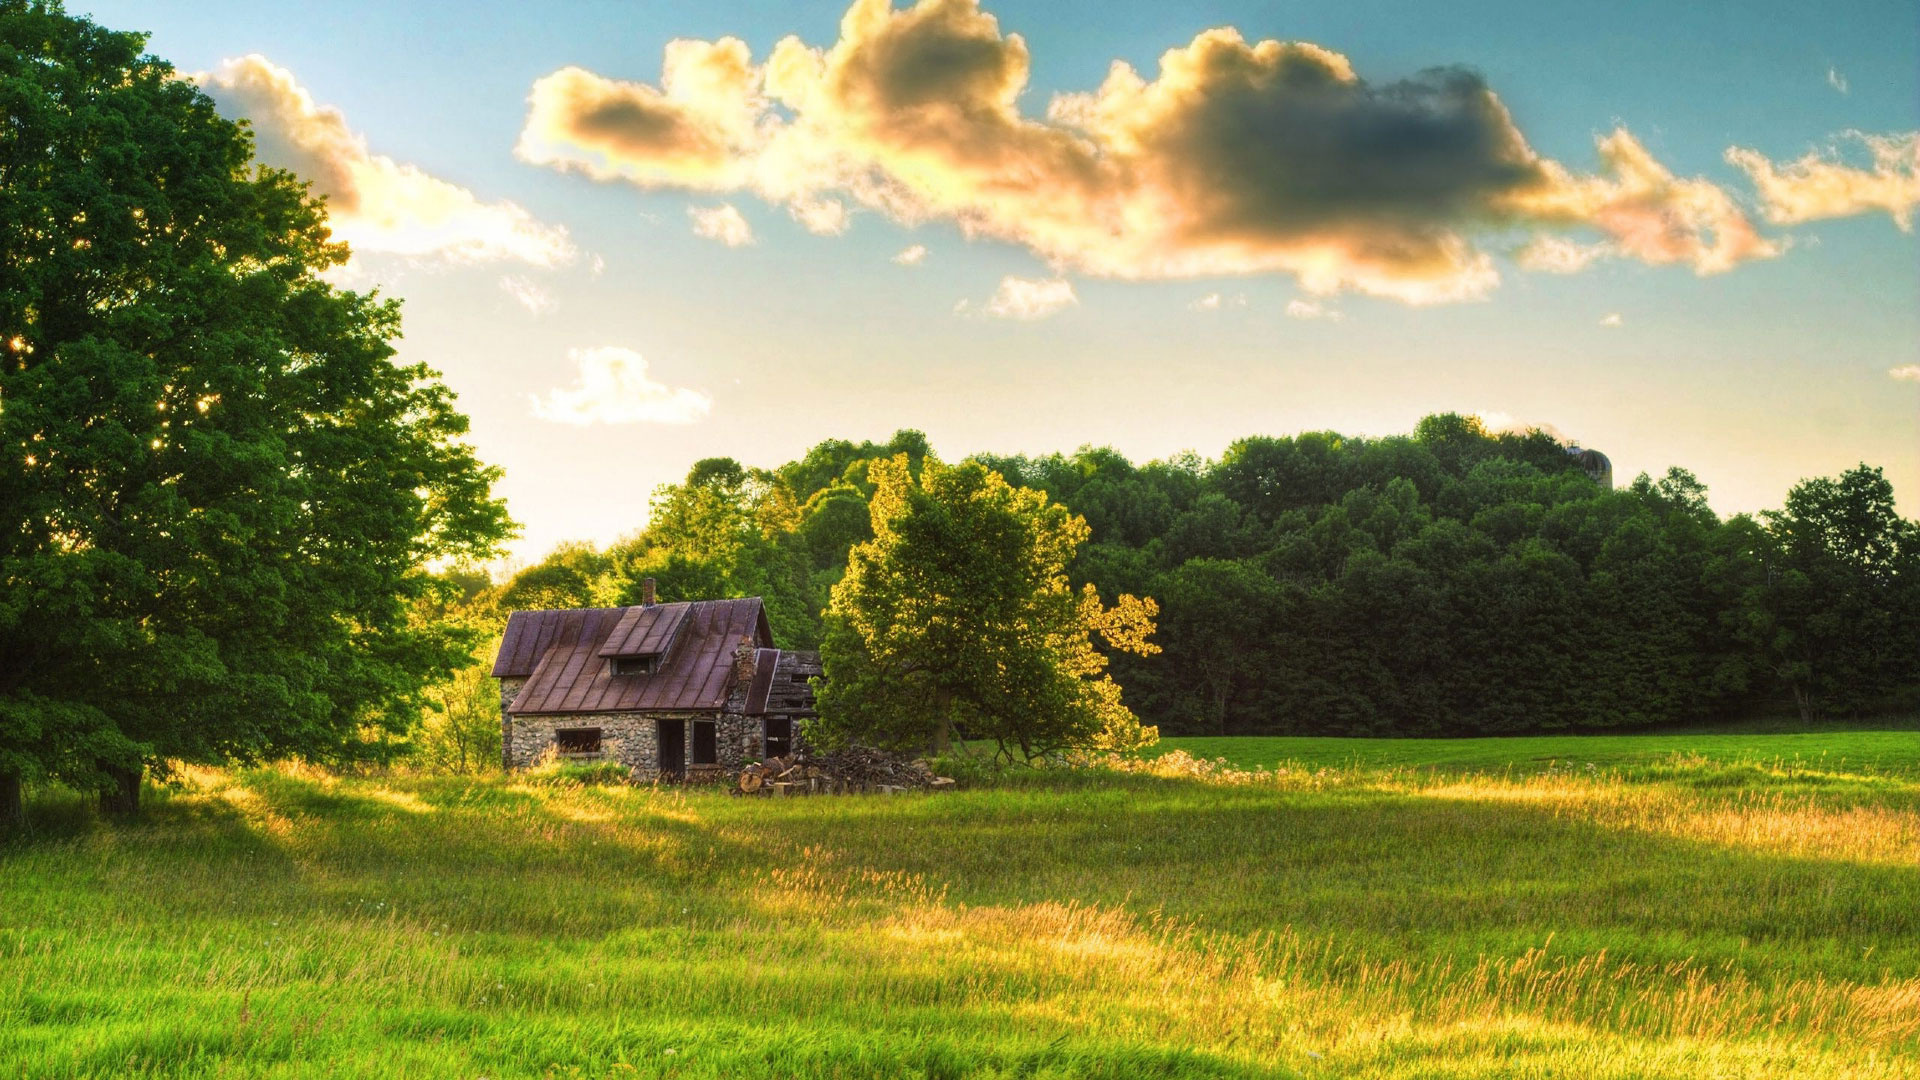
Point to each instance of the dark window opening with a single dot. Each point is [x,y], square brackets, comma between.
[778,733]
[799,678]
[578,740]
[634,665]
[706,743]
[673,746]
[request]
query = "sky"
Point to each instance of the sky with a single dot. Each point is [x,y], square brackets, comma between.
[633,235]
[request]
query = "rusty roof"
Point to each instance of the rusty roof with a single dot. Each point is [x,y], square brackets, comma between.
[561,655]
[646,631]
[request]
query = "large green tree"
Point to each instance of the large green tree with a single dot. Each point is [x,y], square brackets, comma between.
[958,616]
[1833,608]
[218,490]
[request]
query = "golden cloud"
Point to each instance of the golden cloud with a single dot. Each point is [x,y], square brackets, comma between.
[1819,185]
[614,388]
[374,203]
[1027,299]
[1237,157]
[722,223]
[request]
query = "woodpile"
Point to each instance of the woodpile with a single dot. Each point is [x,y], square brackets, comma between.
[855,770]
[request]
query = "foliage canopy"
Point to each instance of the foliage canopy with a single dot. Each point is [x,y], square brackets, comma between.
[958,616]
[218,490]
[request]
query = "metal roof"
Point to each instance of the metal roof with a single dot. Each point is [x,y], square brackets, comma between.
[764,663]
[646,631]
[562,656]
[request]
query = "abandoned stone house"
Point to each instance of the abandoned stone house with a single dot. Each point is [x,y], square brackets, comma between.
[682,691]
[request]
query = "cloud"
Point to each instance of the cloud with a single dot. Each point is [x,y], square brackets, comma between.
[722,223]
[1558,255]
[1215,301]
[1026,299]
[374,203]
[1647,212]
[530,296]
[1235,157]
[693,133]
[1612,318]
[914,255]
[1821,185]
[1905,373]
[821,217]
[1836,80]
[1312,309]
[614,388]
[1503,423]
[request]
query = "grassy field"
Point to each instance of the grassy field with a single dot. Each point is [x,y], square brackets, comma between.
[1567,908]
[1838,751]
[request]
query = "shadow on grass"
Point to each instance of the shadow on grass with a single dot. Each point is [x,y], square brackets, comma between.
[1422,871]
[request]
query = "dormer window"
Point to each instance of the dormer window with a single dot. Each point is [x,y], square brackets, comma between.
[634,665]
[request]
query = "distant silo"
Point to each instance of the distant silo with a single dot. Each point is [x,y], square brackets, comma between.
[1594,464]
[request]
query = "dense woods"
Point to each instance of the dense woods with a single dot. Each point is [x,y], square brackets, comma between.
[1450,581]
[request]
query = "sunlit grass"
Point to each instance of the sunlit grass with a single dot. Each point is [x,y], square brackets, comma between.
[1680,915]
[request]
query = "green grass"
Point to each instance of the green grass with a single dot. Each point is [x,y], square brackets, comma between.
[1896,752]
[1749,909]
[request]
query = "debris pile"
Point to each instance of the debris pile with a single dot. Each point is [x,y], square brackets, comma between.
[854,770]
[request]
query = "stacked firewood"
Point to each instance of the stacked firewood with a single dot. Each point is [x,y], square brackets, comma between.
[854,770]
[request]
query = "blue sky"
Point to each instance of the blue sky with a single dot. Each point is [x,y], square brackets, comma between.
[1753,374]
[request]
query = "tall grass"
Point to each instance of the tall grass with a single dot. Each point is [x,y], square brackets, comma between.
[1681,916]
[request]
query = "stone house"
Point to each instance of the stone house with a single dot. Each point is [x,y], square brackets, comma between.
[683,691]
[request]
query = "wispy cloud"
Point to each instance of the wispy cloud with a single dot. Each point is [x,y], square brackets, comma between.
[914,255]
[1822,185]
[1612,318]
[1026,299]
[1504,423]
[821,217]
[374,203]
[1837,80]
[1216,301]
[613,387]
[722,223]
[1312,309]
[1558,255]
[916,114]
[1906,372]
[529,295]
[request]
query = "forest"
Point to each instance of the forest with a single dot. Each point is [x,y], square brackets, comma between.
[1451,581]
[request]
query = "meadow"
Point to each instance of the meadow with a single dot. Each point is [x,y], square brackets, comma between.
[1663,906]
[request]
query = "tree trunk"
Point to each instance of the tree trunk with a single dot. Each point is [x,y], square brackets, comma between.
[13,814]
[1804,700]
[943,735]
[122,797]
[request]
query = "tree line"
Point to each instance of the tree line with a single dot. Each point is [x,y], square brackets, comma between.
[1450,581]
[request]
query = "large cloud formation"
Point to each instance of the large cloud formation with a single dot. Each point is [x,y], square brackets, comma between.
[1237,157]
[374,203]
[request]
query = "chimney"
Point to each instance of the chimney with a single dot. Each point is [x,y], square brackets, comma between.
[646,592]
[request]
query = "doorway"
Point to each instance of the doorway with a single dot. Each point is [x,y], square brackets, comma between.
[673,748]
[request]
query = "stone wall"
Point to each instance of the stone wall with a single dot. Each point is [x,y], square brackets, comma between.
[628,738]
[632,739]
[509,689]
